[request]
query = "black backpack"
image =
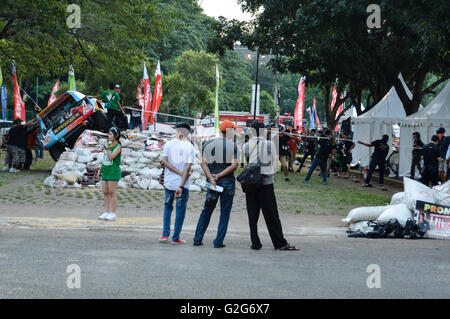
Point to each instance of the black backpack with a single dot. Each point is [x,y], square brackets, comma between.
[251,178]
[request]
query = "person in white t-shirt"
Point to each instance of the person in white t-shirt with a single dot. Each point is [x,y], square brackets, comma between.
[178,157]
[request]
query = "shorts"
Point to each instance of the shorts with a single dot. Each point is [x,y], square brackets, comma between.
[284,163]
[21,155]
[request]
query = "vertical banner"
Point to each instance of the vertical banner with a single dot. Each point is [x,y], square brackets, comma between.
[319,126]
[258,94]
[339,111]
[72,84]
[19,106]
[312,118]
[4,102]
[216,108]
[147,98]
[298,113]
[157,95]
[53,95]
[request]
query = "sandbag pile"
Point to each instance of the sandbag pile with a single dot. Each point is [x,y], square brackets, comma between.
[141,160]
[401,207]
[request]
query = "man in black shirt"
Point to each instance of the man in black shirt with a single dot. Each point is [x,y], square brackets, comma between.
[347,148]
[310,149]
[431,157]
[135,115]
[321,158]
[416,154]
[12,159]
[378,159]
[21,143]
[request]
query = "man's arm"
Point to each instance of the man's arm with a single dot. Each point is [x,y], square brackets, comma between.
[170,166]
[184,178]
[365,144]
[207,172]
[230,169]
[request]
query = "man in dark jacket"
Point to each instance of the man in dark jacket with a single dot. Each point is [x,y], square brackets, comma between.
[444,142]
[321,158]
[416,154]
[310,149]
[378,159]
[431,157]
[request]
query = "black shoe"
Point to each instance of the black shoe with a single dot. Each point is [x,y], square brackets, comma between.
[198,244]
[287,179]
[219,246]
[255,247]
[367,185]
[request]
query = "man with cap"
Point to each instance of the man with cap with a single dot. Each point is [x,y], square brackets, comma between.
[431,158]
[117,90]
[219,161]
[378,159]
[444,141]
[178,157]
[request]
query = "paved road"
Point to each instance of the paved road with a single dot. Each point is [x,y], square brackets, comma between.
[132,264]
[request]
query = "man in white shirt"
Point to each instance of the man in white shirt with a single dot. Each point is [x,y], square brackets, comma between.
[178,157]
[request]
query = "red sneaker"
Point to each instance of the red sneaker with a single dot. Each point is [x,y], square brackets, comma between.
[163,239]
[179,241]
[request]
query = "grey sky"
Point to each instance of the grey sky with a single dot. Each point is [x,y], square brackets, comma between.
[227,8]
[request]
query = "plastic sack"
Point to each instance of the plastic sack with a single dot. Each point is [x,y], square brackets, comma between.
[62,166]
[136,154]
[441,198]
[126,152]
[364,214]
[400,212]
[50,181]
[362,227]
[194,188]
[196,175]
[136,145]
[60,183]
[130,160]
[94,165]
[123,184]
[124,142]
[144,183]
[74,185]
[69,177]
[197,168]
[68,156]
[146,172]
[85,158]
[156,172]
[83,151]
[415,191]
[154,184]
[145,160]
[398,198]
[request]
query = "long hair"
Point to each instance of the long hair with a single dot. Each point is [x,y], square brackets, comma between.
[116,133]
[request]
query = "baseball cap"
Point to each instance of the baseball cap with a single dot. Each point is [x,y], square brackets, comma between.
[17,121]
[184,125]
[117,86]
[441,130]
[226,125]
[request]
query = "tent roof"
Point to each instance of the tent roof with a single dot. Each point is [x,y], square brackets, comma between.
[390,105]
[438,109]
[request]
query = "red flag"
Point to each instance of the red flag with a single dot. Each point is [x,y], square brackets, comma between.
[334,96]
[157,94]
[54,90]
[298,113]
[19,106]
[319,126]
[147,98]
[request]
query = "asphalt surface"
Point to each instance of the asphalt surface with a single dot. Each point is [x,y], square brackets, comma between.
[132,264]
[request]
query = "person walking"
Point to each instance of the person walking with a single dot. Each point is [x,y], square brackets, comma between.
[378,159]
[284,152]
[293,142]
[416,154]
[263,151]
[219,161]
[321,158]
[178,157]
[111,173]
[310,149]
[431,158]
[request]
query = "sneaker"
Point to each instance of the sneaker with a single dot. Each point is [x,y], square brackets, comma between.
[198,244]
[163,239]
[103,216]
[306,182]
[179,241]
[325,183]
[367,185]
[219,246]
[255,247]
[111,217]
[287,179]
[5,168]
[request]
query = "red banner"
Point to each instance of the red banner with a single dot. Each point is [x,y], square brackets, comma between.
[54,90]
[147,98]
[157,94]
[298,113]
[319,126]
[19,106]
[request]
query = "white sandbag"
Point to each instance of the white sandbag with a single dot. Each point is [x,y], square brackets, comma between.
[441,198]
[85,158]
[99,157]
[50,181]
[69,177]
[144,183]
[60,183]
[127,179]
[398,198]
[124,142]
[362,227]
[62,166]
[136,154]
[443,188]
[83,152]
[136,146]
[74,185]
[146,172]
[154,184]
[68,156]
[129,169]
[400,212]
[123,184]
[126,152]
[364,214]
[197,168]
[78,167]
[194,188]
[130,161]
[196,175]
[94,165]
[156,172]
[145,160]
[151,155]
[415,191]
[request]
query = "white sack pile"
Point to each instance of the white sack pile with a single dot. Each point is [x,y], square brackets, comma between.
[141,157]
[402,205]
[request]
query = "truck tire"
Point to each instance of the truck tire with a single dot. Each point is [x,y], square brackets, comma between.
[56,150]
[98,122]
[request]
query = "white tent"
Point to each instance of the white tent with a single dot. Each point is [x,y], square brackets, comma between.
[376,122]
[426,121]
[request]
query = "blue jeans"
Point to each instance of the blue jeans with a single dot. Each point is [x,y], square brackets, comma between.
[39,151]
[181,204]
[323,166]
[135,124]
[226,202]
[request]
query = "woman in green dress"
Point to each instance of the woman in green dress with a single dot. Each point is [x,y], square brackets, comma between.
[111,173]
